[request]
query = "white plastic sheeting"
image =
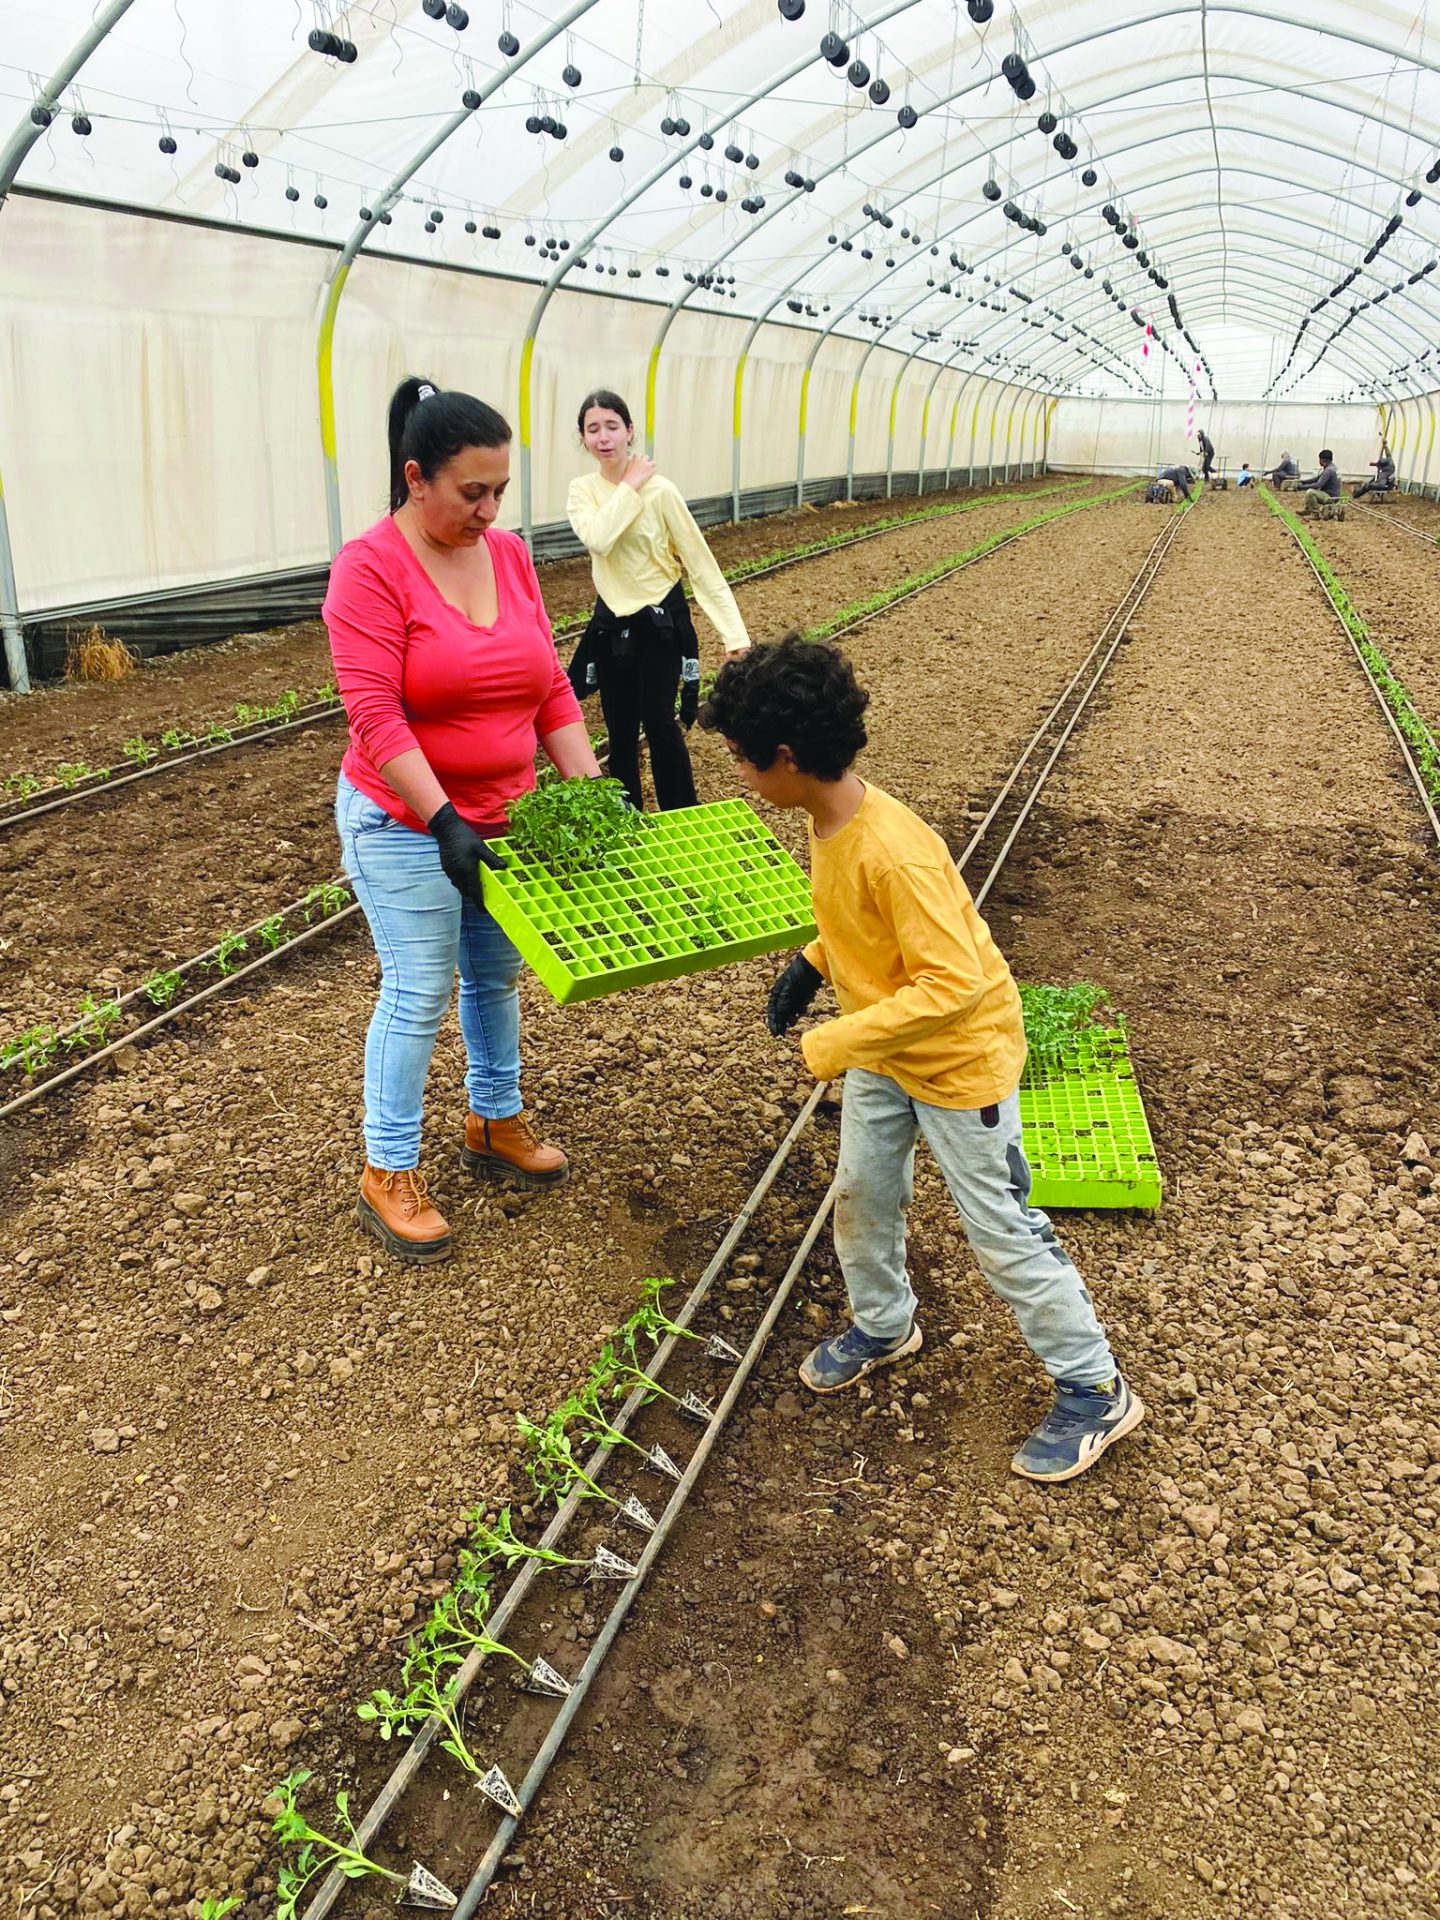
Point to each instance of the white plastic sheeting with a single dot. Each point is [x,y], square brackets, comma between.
[1255,155]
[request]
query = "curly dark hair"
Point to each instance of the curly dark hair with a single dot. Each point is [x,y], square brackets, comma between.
[800,694]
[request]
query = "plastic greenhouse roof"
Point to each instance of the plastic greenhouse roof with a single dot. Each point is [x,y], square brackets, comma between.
[1272,221]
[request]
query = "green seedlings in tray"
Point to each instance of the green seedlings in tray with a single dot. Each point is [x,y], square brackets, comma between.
[573,826]
[32,1051]
[315,1852]
[227,954]
[1056,1017]
[162,986]
[140,751]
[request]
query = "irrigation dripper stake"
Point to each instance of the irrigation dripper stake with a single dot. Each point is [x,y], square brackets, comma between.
[542,1678]
[696,1408]
[497,1788]
[660,1460]
[718,1348]
[638,1515]
[422,1889]
[609,1566]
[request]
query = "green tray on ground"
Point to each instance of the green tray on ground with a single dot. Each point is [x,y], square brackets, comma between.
[646,914]
[1086,1136]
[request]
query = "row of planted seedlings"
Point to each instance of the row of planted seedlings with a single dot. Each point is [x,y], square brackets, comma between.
[1419,735]
[101,1022]
[20,792]
[482,1700]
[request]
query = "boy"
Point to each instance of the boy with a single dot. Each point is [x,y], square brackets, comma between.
[930,1040]
[1246,479]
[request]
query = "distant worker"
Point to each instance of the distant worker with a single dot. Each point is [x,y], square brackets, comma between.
[1245,478]
[1322,488]
[641,640]
[1384,479]
[1287,470]
[1207,453]
[1181,478]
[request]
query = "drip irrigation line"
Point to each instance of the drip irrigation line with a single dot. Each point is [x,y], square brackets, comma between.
[334,710]
[1411,765]
[408,1767]
[1394,522]
[580,1686]
[410,1762]
[172,1013]
[265,730]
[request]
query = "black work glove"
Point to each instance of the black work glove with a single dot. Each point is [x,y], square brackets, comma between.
[462,853]
[792,994]
[689,693]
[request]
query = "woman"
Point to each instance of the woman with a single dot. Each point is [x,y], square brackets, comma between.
[445,661]
[642,538]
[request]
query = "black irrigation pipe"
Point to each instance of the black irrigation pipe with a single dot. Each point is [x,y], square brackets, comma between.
[1395,524]
[259,730]
[334,710]
[1411,764]
[411,1761]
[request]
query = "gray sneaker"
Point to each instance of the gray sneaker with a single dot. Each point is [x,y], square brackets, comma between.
[847,1357]
[1081,1424]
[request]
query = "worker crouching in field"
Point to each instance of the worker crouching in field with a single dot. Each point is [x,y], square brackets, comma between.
[1384,480]
[930,1039]
[1287,470]
[1322,489]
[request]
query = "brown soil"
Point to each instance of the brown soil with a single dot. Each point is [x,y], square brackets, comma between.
[189,689]
[257,826]
[873,1673]
[1394,583]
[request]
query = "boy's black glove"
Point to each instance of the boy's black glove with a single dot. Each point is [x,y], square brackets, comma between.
[792,994]
[462,853]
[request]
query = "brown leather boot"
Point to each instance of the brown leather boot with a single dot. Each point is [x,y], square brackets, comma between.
[399,1212]
[509,1150]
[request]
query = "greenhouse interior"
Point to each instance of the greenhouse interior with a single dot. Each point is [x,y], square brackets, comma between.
[865,576]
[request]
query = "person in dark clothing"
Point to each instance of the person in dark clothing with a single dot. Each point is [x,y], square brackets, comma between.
[1207,453]
[1287,470]
[1322,487]
[1384,479]
[1181,478]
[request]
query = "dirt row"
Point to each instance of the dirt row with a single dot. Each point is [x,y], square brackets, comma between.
[264,1436]
[190,689]
[1201,1681]
[258,826]
[1394,583]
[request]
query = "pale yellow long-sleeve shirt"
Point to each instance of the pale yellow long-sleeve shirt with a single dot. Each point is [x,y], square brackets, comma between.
[641,541]
[925,995]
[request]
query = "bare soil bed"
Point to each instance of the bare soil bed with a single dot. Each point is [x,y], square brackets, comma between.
[1394,583]
[240,1443]
[258,825]
[188,689]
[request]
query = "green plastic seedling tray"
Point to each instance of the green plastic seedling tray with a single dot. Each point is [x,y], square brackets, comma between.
[647,913]
[1086,1136]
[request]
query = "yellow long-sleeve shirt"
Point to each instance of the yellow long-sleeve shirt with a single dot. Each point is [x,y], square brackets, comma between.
[641,540]
[925,995]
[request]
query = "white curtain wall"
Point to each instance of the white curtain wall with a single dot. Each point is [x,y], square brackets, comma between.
[159,419]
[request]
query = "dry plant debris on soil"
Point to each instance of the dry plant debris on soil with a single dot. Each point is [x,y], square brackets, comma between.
[875,1673]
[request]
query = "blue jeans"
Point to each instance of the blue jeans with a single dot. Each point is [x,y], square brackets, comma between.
[985,1169]
[422,930]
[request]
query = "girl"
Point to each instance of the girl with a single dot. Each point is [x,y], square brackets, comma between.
[642,537]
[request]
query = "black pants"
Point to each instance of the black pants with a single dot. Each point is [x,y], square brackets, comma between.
[1207,462]
[639,690]
[1371,486]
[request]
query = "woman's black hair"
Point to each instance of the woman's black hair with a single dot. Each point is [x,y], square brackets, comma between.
[800,694]
[611,402]
[430,426]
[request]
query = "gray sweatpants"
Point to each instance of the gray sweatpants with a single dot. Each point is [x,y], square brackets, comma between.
[985,1169]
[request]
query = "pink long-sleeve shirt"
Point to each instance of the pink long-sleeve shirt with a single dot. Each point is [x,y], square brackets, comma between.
[413,671]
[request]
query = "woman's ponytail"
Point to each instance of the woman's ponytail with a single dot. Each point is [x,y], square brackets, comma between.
[430,426]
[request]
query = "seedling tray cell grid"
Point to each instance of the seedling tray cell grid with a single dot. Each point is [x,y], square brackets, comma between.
[704,886]
[1086,1136]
